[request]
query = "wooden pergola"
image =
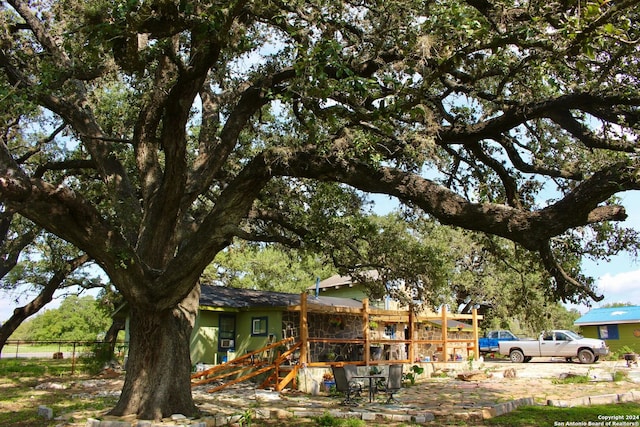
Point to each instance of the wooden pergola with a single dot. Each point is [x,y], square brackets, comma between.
[283,368]
[408,317]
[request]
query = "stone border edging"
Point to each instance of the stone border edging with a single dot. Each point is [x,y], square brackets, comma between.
[506,407]
[603,399]
[229,420]
[422,418]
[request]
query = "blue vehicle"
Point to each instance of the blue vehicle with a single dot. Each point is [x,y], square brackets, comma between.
[489,343]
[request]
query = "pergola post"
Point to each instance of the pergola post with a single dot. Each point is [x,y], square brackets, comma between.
[411,326]
[365,330]
[445,334]
[304,329]
[476,347]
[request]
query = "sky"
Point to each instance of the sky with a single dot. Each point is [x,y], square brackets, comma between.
[618,279]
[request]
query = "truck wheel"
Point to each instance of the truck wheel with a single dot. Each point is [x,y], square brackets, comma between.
[516,356]
[586,356]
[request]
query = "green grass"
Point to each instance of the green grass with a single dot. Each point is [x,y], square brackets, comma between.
[542,416]
[45,350]
[19,399]
[19,402]
[620,376]
[573,379]
[324,420]
[327,420]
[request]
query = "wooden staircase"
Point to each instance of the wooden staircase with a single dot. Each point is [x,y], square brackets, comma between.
[281,371]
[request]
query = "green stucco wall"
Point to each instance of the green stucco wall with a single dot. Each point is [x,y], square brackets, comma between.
[629,335]
[353,292]
[245,342]
[204,339]
[343,292]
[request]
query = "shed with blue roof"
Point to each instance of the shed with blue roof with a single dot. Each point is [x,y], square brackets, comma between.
[618,326]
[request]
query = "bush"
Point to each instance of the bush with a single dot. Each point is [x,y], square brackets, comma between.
[619,354]
[97,358]
[411,376]
[620,376]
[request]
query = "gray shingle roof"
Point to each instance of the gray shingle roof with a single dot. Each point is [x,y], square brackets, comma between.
[220,296]
[338,280]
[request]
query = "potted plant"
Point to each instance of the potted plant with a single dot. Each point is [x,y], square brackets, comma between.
[411,376]
[328,381]
[374,371]
[336,322]
[373,325]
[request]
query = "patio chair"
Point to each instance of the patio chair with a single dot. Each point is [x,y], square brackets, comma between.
[393,384]
[352,371]
[343,385]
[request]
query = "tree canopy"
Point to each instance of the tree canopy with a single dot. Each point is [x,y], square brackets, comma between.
[77,319]
[35,261]
[269,268]
[152,134]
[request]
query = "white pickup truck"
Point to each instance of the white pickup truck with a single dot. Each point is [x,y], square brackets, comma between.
[559,343]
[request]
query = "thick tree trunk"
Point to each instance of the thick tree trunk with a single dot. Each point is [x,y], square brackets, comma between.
[45,296]
[20,314]
[157,382]
[111,337]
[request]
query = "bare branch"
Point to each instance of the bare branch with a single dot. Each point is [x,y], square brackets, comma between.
[563,280]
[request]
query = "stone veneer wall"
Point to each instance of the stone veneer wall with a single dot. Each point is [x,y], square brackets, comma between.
[324,326]
[291,324]
[336,326]
[327,326]
[430,350]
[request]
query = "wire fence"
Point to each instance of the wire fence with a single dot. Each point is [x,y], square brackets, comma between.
[60,349]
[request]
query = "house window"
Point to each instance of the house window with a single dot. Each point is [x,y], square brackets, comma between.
[259,326]
[390,330]
[226,332]
[608,332]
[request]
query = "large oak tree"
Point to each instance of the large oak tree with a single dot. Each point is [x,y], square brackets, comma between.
[33,261]
[188,124]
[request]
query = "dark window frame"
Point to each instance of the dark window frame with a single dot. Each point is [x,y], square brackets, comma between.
[226,334]
[612,332]
[262,332]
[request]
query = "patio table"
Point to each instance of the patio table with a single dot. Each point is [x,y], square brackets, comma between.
[371,377]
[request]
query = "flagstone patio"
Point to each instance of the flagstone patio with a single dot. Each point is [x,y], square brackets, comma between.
[436,400]
[432,401]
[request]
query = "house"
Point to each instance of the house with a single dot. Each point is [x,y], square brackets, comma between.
[453,325]
[618,326]
[234,321]
[427,336]
[347,287]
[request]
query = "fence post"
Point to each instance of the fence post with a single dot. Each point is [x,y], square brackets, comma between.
[17,346]
[73,359]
